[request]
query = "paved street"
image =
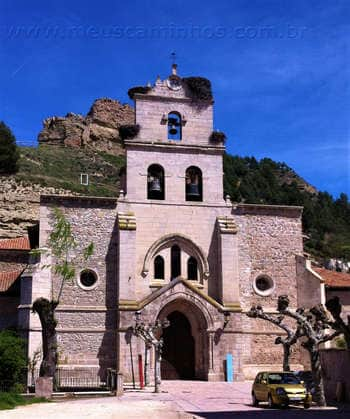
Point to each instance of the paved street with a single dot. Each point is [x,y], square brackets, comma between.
[230,400]
[178,399]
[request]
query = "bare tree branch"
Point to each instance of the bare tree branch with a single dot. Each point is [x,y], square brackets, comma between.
[286,342]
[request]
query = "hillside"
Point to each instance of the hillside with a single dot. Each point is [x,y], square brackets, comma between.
[61,167]
[326,221]
[52,170]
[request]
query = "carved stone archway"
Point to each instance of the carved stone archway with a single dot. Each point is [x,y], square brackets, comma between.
[198,327]
[184,243]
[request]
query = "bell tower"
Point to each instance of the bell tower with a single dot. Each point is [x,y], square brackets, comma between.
[174,158]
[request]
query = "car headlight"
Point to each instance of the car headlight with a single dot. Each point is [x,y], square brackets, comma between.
[280,391]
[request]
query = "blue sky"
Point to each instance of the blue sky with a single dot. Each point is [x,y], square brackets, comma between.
[279,69]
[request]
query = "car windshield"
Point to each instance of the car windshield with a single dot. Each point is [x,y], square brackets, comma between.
[283,379]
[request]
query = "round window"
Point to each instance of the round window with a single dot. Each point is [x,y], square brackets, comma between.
[88,279]
[263,285]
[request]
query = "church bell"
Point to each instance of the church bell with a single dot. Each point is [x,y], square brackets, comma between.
[173,126]
[155,185]
[193,189]
[173,130]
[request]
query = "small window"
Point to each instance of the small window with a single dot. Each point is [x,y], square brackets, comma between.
[263,285]
[194,189]
[122,177]
[155,182]
[174,126]
[159,268]
[175,261]
[87,279]
[84,179]
[192,268]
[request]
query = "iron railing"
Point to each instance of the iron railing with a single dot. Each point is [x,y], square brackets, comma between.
[67,379]
[78,379]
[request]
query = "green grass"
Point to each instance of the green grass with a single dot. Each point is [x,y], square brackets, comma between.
[60,167]
[11,400]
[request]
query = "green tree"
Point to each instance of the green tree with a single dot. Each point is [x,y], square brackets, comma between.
[12,358]
[8,150]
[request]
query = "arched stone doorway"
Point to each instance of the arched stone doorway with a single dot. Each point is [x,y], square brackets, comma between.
[178,359]
[186,342]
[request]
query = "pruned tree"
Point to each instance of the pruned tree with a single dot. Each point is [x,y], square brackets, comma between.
[286,341]
[312,325]
[61,244]
[335,308]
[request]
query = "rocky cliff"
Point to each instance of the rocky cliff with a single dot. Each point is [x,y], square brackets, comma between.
[20,205]
[97,130]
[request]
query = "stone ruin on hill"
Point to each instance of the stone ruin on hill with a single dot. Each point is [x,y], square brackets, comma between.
[97,130]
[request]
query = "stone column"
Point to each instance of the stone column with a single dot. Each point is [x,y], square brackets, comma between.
[127,257]
[228,252]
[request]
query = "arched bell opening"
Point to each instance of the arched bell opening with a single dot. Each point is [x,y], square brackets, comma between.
[155,182]
[174,126]
[194,184]
[185,353]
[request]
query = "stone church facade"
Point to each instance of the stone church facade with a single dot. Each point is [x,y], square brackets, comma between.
[171,246]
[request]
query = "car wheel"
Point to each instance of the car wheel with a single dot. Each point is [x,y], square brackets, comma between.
[270,401]
[255,401]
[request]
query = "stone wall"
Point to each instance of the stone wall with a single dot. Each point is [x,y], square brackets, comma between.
[193,220]
[267,240]
[336,374]
[159,102]
[311,289]
[198,127]
[267,244]
[86,318]
[174,161]
[8,311]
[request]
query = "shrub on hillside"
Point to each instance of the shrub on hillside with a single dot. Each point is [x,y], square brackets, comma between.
[8,150]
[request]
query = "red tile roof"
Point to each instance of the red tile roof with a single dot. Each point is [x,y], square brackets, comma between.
[333,278]
[8,278]
[19,243]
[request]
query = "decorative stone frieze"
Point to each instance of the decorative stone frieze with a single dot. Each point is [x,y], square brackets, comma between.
[126,221]
[227,225]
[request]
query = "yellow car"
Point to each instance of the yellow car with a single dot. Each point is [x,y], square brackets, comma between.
[279,388]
